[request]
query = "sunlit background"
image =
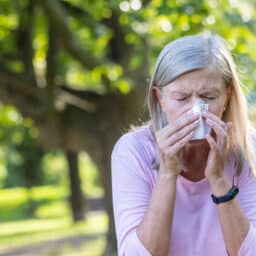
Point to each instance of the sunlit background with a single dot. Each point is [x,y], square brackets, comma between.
[73,77]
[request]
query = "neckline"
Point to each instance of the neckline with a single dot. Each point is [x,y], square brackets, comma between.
[191,182]
[193,187]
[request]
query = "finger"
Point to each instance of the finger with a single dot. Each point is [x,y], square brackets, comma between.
[181,122]
[181,134]
[216,127]
[212,144]
[174,149]
[220,132]
[211,116]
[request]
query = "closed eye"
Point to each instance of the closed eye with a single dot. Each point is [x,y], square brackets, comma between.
[182,99]
[210,97]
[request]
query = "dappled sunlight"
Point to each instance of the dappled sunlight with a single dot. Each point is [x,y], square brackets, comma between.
[74,76]
[51,223]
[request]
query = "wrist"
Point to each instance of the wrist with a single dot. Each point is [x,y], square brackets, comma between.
[220,185]
[168,173]
[227,197]
[168,176]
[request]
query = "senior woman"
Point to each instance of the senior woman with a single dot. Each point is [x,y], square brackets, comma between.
[175,193]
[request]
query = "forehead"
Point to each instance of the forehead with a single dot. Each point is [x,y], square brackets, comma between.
[198,80]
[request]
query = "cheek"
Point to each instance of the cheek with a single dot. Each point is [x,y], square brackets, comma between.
[217,107]
[174,109]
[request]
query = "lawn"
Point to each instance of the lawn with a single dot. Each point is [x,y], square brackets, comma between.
[51,226]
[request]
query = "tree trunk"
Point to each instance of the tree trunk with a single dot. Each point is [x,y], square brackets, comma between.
[111,246]
[76,196]
[31,205]
[102,160]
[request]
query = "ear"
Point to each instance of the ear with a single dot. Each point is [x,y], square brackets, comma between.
[229,92]
[157,93]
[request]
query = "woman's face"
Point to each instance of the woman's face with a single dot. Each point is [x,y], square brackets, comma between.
[180,95]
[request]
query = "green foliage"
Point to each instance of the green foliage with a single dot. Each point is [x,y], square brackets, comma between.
[24,163]
[156,22]
[90,176]
[22,154]
[143,26]
[55,168]
[123,35]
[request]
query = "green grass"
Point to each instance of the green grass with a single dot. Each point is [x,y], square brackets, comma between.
[52,221]
[91,249]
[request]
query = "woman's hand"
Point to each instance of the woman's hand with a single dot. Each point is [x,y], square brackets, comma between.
[171,139]
[218,147]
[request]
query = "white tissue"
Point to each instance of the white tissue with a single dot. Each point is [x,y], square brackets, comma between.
[203,129]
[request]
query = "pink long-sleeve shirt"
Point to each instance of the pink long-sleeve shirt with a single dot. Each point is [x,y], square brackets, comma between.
[196,229]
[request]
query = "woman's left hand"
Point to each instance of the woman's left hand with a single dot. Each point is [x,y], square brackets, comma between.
[215,167]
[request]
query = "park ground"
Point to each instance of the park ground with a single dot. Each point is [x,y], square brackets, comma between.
[50,231]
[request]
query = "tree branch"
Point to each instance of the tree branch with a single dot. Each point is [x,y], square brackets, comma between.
[24,40]
[51,65]
[83,99]
[79,13]
[88,95]
[68,98]
[16,92]
[58,19]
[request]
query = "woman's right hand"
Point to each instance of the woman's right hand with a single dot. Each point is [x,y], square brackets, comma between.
[171,139]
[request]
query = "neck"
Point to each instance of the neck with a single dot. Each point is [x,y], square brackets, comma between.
[194,159]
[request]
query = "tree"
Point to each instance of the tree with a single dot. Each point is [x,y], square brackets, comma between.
[79,68]
[23,155]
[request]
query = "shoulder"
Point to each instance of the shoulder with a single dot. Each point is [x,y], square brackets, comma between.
[137,140]
[134,154]
[138,143]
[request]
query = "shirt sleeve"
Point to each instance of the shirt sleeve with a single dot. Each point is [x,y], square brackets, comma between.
[247,200]
[248,247]
[131,193]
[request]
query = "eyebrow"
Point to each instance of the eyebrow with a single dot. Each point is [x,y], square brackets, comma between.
[204,91]
[213,90]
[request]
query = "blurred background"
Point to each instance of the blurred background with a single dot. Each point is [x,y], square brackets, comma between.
[73,78]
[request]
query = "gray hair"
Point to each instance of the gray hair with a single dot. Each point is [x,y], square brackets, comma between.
[202,51]
[183,55]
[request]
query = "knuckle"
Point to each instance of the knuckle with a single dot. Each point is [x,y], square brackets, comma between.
[169,153]
[183,133]
[179,135]
[215,149]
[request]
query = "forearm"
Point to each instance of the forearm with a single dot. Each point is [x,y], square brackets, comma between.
[155,229]
[234,223]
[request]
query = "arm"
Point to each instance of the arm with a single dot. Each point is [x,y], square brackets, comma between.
[143,216]
[155,229]
[131,192]
[234,223]
[237,218]
[247,200]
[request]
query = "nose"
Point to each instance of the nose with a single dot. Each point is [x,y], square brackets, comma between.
[196,100]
